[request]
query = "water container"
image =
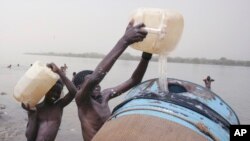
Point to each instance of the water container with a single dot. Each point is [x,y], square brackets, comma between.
[189,113]
[164,29]
[34,84]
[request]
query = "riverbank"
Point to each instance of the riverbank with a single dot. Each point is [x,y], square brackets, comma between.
[127,56]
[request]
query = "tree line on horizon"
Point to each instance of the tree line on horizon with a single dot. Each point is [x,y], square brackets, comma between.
[128,56]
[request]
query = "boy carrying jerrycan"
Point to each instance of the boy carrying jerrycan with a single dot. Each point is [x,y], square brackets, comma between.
[44,118]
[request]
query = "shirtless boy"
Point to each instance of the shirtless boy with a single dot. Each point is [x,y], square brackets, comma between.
[45,119]
[92,103]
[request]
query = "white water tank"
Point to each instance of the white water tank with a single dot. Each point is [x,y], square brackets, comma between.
[34,84]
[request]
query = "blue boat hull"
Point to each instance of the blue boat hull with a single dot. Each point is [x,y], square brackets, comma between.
[187,104]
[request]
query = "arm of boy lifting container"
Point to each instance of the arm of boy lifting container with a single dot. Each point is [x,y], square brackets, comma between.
[70,86]
[133,34]
[135,79]
[32,125]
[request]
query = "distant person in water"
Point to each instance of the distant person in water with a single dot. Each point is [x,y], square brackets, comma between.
[64,68]
[92,103]
[45,119]
[9,66]
[208,82]
[18,65]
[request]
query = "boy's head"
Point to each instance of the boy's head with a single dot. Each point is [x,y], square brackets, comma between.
[55,92]
[79,79]
[208,78]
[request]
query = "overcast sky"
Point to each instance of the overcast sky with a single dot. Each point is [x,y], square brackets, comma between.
[213,28]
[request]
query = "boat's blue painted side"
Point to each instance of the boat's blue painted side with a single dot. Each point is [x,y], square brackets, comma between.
[188,104]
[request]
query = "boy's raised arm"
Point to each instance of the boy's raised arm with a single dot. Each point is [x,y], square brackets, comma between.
[70,86]
[133,34]
[135,79]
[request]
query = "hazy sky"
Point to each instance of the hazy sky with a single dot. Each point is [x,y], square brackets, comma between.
[213,28]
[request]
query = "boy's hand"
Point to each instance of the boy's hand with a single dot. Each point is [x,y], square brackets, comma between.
[27,108]
[53,67]
[146,56]
[134,33]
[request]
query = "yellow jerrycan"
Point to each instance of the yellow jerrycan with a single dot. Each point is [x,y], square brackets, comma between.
[164,29]
[34,84]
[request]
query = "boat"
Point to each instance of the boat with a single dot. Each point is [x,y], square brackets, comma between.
[187,112]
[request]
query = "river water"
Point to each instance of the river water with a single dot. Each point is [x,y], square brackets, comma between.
[231,84]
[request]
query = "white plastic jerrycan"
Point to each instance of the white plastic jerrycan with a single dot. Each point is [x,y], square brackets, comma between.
[164,29]
[34,84]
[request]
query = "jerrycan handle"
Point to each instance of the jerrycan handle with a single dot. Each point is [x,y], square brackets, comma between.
[161,30]
[155,30]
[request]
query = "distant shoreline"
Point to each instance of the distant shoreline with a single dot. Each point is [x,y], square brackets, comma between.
[127,56]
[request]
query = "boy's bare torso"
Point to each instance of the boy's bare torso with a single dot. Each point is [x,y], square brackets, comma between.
[92,114]
[49,118]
